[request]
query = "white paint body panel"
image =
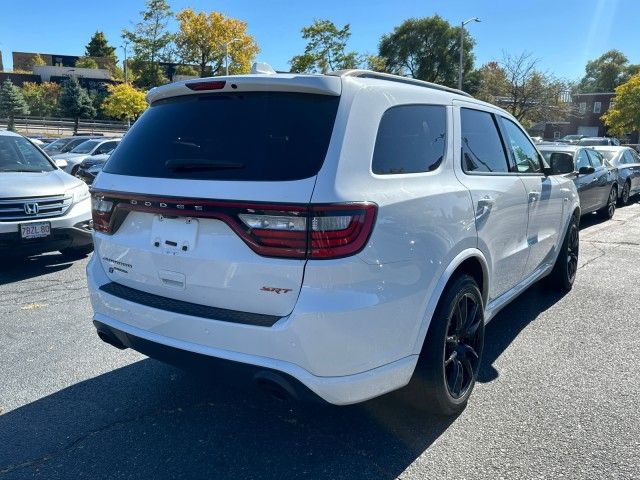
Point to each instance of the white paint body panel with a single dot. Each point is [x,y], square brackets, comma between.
[352,328]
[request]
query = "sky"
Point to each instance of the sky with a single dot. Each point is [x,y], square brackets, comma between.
[562,34]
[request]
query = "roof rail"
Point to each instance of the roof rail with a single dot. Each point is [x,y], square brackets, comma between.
[395,78]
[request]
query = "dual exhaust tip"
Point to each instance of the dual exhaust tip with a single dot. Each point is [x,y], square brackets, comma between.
[271,383]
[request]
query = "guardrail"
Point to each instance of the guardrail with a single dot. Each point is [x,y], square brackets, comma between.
[63,126]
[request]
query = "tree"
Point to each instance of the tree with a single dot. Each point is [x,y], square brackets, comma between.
[606,72]
[99,47]
[149,39]
[86,62]
[124,102]
[427,49]
[75,102]
[376,63]
[527,93]
[12,103]
[202,37]
[37,61]
[186,70]
[624,116]
[43,98]
[325,50]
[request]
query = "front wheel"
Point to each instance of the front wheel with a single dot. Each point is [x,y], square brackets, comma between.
[565,269]
[609,209]
[624,196]
[450,359]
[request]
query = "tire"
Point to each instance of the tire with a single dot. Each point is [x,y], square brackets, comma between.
[565,269]
[74,170]
[609,209]
[77,252]
[450,359]
[624,196]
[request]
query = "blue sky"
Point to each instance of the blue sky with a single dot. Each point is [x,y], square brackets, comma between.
[563,34]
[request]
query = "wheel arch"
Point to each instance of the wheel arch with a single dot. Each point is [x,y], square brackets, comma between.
[471,262]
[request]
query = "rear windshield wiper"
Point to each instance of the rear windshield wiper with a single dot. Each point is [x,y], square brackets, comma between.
[200,164]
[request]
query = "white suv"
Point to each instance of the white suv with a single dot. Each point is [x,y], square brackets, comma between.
[341,232]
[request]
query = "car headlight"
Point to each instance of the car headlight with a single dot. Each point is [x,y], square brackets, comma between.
[80,193]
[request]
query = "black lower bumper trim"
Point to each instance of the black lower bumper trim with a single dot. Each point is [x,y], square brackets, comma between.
[60,238]
[214,368]
[187,308]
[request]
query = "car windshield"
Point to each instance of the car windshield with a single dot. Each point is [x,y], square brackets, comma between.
[610,156]
[593,141]
[86,146]
[571,137]
[18,154]
[57,144]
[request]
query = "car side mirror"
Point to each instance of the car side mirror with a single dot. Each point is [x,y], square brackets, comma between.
[561,163]
[586,170]
[62,164]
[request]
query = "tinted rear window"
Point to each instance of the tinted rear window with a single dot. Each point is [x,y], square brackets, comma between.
[257,136]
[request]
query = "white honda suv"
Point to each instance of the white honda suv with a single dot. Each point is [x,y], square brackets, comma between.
[343,235]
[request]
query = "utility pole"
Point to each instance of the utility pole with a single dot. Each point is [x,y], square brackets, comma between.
[226,54]
[460,71]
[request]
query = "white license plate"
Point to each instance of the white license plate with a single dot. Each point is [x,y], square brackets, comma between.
[35,230]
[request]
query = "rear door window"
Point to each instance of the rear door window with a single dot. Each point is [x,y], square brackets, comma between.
[411,139]
[482,148]
[255,136]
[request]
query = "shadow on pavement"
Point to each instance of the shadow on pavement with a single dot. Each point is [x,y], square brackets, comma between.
[149,420]
[15,269]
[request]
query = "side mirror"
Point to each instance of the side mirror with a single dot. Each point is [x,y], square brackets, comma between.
[561,163]
[586,170]
[62,164]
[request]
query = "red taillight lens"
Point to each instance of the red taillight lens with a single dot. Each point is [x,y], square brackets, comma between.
[209,85]
[280,230]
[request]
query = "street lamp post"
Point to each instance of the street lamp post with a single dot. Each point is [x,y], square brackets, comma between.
[126,69]
[226,54]
[474,19]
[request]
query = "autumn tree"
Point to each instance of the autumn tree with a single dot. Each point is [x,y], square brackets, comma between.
[75,102]
[427,49]
[204,38]
[37,61]
[43,98]
[12,103]
[124,102]
[149,39]
[624,116]
[607,72]
[326,49]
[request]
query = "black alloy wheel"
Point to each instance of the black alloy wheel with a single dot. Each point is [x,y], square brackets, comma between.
[626,189]
[609,209]
[573,248]
[463,345]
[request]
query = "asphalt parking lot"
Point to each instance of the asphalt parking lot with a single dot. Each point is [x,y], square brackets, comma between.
[558,393]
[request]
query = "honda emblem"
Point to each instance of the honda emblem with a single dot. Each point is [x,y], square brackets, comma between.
[31,208]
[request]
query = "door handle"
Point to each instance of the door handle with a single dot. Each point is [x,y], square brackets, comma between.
[485,205]
[534,197]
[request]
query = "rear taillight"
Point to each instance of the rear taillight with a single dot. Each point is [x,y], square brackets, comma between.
[273,230]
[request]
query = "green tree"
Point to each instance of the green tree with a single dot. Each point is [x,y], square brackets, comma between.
[624,116]
[149,39]
[202,37]
[99,47]
[325,50]
[86,62]
[186,70]
[12,103]
[75,102]
[376,63]
[43,98]
[427,49]
[124,102]
[606,72]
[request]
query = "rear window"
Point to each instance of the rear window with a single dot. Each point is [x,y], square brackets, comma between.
[256,136]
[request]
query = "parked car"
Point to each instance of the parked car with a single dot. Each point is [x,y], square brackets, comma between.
[42,209]
[44,140]
[598,141]
[597,183]
[90,167]
[95,146]
[64,144]
[627,162]
[571,139]
[376,259]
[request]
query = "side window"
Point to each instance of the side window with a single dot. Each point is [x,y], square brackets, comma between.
[106,147]
[524,153]
[411,139]
[582,160]
[628,157]
[482,149]
[596,158]
[636,157]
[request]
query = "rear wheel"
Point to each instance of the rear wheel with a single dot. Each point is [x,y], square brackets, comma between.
[609,209]
[564,271]
[450,359]
[624,196]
